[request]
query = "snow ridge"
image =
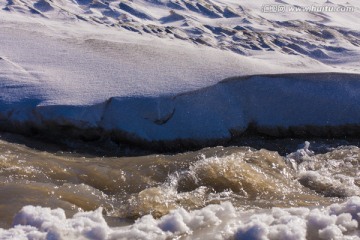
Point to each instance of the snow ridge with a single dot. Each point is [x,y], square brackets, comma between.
[323,104]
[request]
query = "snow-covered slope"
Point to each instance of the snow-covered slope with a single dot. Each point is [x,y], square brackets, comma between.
[132,67]
[244,27]
[63,60]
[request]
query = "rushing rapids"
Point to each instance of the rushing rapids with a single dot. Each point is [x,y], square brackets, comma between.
[316,175]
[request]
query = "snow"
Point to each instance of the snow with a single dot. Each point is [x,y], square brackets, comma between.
[169,70]
[269,101]
[222,221]
[60,69]
[73,63]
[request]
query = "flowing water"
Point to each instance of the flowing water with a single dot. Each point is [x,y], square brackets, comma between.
[316,174]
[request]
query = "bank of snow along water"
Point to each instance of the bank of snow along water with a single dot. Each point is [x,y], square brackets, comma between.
[306,105]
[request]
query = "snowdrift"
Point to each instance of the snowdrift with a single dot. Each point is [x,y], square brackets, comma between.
[317,104]
[242,27]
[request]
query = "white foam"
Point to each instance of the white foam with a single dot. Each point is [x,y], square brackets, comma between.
[338,221]
[322,172]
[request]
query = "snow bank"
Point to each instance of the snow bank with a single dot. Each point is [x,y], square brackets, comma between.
[223,221]
[326,104]
[94,79]
[82,64]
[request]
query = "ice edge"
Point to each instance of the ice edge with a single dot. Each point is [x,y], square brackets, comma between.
[277,105]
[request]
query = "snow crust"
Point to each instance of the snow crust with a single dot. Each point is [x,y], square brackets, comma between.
[82,64]
[223,221]
[242,27]
[269,101]
[151,69]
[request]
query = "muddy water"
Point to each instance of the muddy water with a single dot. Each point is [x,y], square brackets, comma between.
[130,187]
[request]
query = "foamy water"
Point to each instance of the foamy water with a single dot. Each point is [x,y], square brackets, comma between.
[214,193]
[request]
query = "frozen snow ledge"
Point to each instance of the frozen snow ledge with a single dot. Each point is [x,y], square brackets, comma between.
[303,105]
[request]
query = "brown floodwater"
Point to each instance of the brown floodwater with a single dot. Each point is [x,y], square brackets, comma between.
[38,173]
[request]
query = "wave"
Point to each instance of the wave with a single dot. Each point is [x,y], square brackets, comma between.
[219,193]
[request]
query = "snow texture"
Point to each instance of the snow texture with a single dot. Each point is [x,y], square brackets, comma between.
[150,69]
[269,101]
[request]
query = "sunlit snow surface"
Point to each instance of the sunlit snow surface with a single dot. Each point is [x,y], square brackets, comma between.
[78,63]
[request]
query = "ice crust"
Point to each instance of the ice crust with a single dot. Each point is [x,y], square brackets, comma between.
[63,65]
[268,101]
[271,102]
[223,221]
